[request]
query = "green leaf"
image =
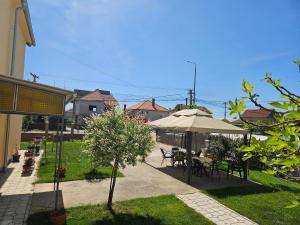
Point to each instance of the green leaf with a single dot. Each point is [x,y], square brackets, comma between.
[247,87]
[293,204]
[278,105]
[294,114]
[297,62]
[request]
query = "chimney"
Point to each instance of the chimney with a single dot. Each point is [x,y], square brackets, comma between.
[153,102]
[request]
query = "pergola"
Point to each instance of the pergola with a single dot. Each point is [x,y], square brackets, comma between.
[195,120]
[23,97]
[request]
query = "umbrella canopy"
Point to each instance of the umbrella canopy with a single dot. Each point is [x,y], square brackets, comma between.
[195,120]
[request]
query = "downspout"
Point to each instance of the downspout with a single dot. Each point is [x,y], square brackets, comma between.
[12,73]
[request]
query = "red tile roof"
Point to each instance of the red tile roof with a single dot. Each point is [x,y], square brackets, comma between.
[99,95]
[256,113]
[148,106]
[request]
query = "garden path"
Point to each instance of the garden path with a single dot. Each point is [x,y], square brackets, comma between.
[16,193]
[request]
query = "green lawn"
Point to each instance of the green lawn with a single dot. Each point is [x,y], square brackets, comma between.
[264,204]
[78,166]
[162,210]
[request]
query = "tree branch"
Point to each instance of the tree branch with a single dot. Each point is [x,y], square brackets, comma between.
[282,90]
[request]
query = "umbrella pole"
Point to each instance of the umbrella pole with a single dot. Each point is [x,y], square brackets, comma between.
[189,139]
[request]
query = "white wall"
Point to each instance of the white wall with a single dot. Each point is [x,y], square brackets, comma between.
[82,107]
[150,115]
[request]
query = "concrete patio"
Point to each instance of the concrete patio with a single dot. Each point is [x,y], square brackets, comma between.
[144,180]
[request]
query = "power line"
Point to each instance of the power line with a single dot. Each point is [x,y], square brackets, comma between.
[111,83]
[106,74]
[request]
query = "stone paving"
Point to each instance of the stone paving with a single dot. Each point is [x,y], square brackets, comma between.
[16,193]
[213,210]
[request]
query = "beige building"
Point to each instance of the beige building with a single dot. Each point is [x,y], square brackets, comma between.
[91,102]
[15,33]
[148,111]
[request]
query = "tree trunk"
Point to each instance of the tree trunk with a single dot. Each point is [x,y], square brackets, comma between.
[112,185]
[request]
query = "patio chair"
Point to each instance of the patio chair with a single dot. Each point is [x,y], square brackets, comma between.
[165,155]
[197,167]
[235,164]
[179,157]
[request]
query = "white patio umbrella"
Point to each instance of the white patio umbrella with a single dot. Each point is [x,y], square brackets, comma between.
[195,120]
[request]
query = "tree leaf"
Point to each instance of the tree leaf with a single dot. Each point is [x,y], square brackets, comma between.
[278,105]
[247,87]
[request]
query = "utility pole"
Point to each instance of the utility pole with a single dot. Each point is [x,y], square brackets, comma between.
[225,112]
[191,97]
[195,76]
[34,76]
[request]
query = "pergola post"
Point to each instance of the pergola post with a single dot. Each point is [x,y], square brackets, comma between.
[189,139]
[245,163]
[61,139]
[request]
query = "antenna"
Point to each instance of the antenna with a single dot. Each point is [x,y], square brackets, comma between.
[34,76]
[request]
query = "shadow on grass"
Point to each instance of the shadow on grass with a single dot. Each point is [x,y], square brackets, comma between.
[282,187]
[95,176]
[240,191]
[128,219]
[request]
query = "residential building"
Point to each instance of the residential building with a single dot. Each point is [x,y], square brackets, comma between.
[254,115]
[148,110]
[91,102]
[16,32]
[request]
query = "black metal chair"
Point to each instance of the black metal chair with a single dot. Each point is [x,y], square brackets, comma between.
[235,164]
[179,157]
[165,155]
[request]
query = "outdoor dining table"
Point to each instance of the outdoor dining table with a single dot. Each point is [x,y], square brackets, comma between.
[205,163]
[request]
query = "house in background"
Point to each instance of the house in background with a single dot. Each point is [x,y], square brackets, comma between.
[254,115]
[91,102]
[147,110]
[16,32]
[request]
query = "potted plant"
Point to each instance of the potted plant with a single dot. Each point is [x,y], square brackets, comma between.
[16,157]
[28,154]
[61,172]
[58,217]
[29,162]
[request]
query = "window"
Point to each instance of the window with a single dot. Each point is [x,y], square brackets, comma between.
[93,108]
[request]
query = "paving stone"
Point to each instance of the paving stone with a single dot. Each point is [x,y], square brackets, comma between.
[213,210]
[16,194]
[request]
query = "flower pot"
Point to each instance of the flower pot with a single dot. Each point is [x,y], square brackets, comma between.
[28,154]
[16,158]
[58,217]
[29,162]
[37,149]
[26,168]
[61,172]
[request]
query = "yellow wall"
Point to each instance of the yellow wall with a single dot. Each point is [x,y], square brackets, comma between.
[7,17]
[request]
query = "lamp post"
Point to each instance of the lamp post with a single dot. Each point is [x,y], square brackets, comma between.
[195,75]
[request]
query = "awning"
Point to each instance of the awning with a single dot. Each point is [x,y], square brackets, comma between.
[25,97]
[196,121]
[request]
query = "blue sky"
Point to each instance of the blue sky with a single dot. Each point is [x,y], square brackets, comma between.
[138,49]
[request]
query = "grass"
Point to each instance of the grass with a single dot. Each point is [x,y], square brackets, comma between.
[265,203]
[162,210]
[77,163]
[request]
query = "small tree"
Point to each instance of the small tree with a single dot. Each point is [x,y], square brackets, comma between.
[115,139]
[280,152]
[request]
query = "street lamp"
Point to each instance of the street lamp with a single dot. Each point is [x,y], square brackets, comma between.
[195,75]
